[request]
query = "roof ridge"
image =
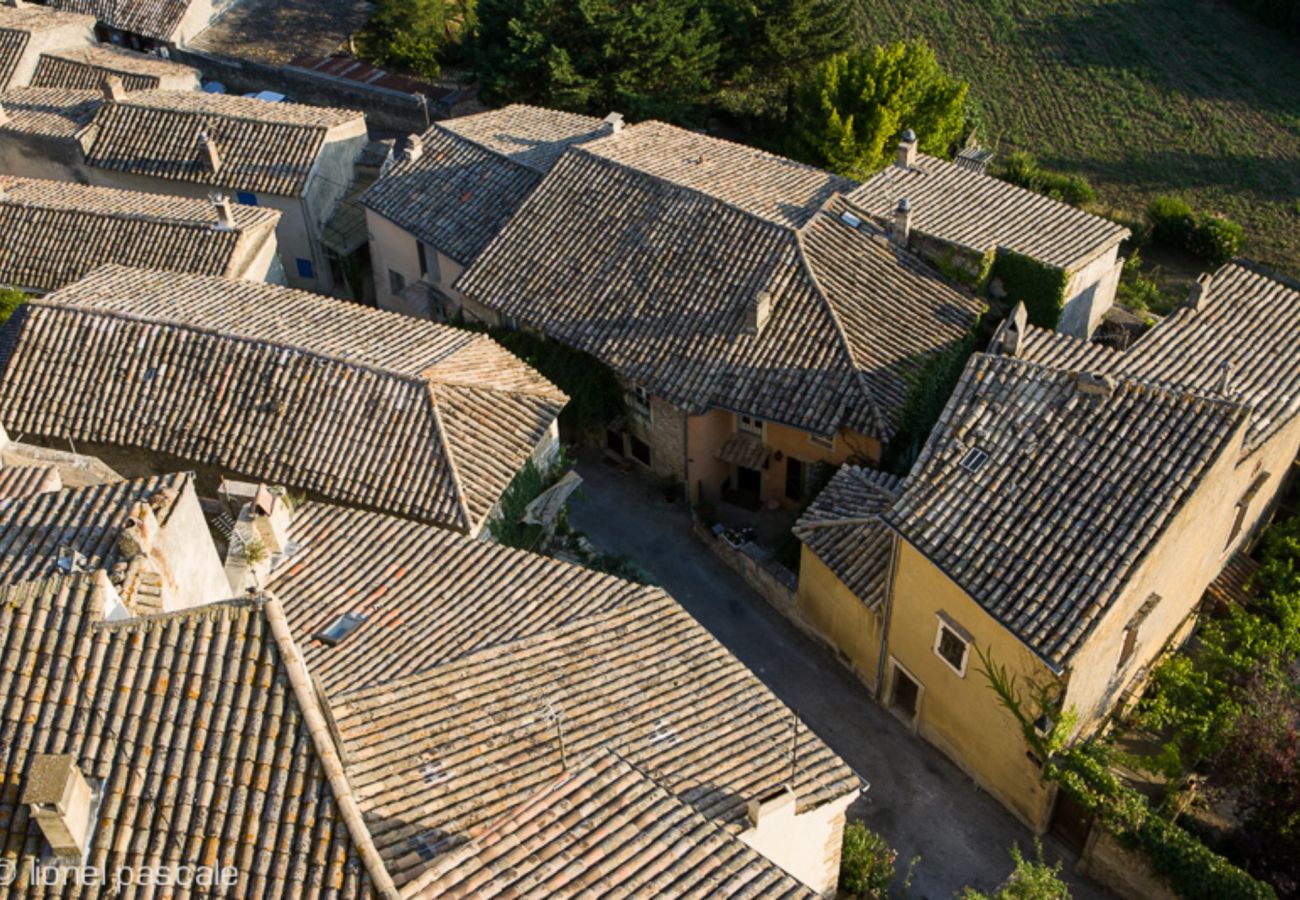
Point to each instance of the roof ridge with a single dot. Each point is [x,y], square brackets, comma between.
[148,620]
[137,99]
[263,214]
[453,468]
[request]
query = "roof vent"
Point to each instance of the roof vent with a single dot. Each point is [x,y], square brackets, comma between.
[902,222]
[211,154]
[615,122]
[1096,384]
[414,148]
[974,460]
[1226,371]
[61,802]
[1199,295]
[758,312]
[225,212]
[774,808]
[906,158]
[114,90]
[340,629]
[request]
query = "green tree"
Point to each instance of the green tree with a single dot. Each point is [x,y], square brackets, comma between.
[771,44]
[414,34]
[647,60]
[850,113]
[10,300]
[1030,880]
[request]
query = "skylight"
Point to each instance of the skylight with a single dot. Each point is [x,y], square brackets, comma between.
[343,626]
[974,459]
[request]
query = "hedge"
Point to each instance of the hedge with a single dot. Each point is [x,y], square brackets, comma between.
[1023,170]
[1192,870]
[1175,224]
[1039,286]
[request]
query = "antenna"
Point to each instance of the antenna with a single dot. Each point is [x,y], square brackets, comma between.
[557,716]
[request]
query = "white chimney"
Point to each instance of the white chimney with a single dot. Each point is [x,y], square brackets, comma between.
[773,810]
[60,799]
[261,532]
[414,148]
[209,147]
[902,223]
[615,122]
[225,212]
[907,150]
[114,90]
[1199,296]
[759,311]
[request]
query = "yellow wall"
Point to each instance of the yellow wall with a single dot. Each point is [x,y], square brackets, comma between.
[960,714]
[840,617]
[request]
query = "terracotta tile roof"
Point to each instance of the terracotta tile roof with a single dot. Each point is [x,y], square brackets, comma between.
[1249,322]
[429,596]
[473,174]
[19,23]
[1039,491]
[606,829]
[17,482]
[157,19]
[437,756]
[269,147]
[87,67]
[966,207]
[1233,584]
[653,276]
[188,724]
[844,529]
[56,232]
[358,405]
[86,521]
[50,112]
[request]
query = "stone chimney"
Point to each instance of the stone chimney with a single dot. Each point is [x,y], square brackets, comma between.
[211,154]
[902,223]
[114,90]
[261,532]
[225,212]
[1226,371]
[1199,296]
[906,157]
[615,122]
[139,531]
[414,148]
[1011,336]
[60,799]
[272,517]
[758,312]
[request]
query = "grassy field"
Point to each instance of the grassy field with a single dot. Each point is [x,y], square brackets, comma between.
[1140,96]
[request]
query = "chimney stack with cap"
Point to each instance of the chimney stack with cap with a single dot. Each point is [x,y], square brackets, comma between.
[759,311]
[60,800]
[211,154]
[414,148]
[907,150]
[615,122]
[1199,295]
[902,223]
[225,212]
[114,90]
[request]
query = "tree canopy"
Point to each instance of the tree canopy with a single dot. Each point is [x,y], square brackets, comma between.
[850,112]
[415,34]
[647,60]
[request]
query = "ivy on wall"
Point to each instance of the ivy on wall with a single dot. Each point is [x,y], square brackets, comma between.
[930,385]
[1040,287]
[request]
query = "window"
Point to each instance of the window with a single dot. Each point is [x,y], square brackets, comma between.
[640,450]
[428,262]
[974,459]
[952,644]
[246,198]
[343,626]
[749,425]
[822,441]
[305,268]
[640,399]
[396,282]
[614,441]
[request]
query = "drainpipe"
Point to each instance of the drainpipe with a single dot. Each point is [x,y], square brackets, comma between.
[884,625]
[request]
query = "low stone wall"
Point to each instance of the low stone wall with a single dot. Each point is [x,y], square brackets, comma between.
[1125,872]
[775,583]
[386,110]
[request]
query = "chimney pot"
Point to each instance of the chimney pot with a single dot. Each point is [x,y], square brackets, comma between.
[414,148]
[114,90]
[138,531]
[615,122]
[225,212]
[902,223]
[907,150]
[60,799]
[1199,296]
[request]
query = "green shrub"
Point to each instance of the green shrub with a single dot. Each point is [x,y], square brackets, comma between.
[930,384]
[1142,294]
[866,863]
[1023,170]
[1175,224]
[10,300]
[1028,881]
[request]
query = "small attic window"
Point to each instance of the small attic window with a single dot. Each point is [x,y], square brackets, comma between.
[974,459]
[338,631]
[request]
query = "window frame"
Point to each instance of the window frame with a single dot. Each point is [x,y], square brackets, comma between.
[946,625]
[826,443]
[306,268]
[639,401]
[756,427]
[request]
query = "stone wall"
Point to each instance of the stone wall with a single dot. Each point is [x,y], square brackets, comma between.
[774,582]
[967,265]
[1124,872]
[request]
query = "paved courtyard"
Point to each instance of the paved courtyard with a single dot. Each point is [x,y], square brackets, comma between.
[922,803]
